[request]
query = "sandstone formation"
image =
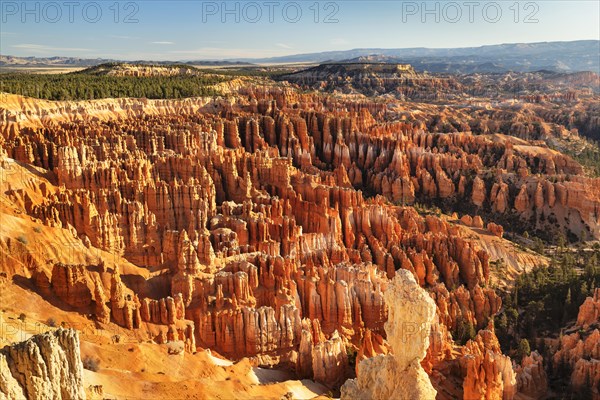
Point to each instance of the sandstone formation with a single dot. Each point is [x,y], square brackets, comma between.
[399,375]
[45,366]
[531,376]
[372,345]
[238,225]
[270,225]
[488,373]
[589,311]
[580,351]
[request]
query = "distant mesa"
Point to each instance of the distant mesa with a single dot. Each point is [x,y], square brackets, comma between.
[353,67]
[373,58]
[367,76]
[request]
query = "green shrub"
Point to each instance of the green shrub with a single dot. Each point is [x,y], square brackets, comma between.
[464,331]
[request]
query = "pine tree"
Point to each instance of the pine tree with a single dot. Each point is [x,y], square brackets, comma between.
[523,350]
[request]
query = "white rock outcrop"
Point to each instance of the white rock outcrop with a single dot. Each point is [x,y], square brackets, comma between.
[46,366]
[399,375]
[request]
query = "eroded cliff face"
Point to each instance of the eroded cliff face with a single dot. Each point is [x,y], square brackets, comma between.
[397,160]
[399,375]
[268,226]
[45,366]
[488,373]
[371,79]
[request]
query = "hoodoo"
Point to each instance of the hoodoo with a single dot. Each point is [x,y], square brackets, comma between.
[399,375]
[271,231]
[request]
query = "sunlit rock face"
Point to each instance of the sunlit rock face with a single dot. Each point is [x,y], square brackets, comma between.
[580,350]
[271,224]
[399,375]
[45,366]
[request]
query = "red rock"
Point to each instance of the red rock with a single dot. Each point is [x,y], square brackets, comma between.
[488,373]
[70,284]
[589,311]
[582,352]
[372,344]
[522,200]
[253,212]
[478,194]
[531,376]
[467,220]
[495,229]
[499,197]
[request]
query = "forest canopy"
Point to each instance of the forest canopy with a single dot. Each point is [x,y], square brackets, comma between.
[84,86]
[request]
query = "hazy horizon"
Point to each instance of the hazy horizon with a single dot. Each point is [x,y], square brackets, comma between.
[324,51]
[206,30]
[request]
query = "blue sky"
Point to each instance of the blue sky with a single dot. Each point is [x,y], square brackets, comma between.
[193,29]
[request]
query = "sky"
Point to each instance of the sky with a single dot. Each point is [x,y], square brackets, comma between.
[210,30]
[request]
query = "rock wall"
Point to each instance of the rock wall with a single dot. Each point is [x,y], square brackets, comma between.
[579,351]
[45,366]
[399,375]
[488,374]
